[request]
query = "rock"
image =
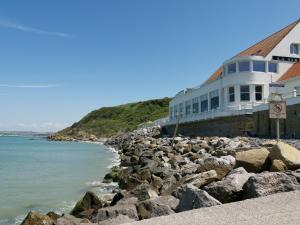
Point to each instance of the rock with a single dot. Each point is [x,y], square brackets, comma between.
[169,183]
[144,192]
[113,175]
[54,216]
[194,198]
[268,144]
[157,182]
[115,211]
[35,218]
[128,201]
[231,187]
[268,183]
[160,206]
[202,179]
[289,155]
[222,165]
[278,166]
[295,174]
[121,219]
[85,207]
[254,160]
[71,220]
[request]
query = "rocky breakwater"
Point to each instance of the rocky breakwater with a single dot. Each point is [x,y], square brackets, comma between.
[160,176]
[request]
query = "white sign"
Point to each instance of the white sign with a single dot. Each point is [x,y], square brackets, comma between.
[277,110]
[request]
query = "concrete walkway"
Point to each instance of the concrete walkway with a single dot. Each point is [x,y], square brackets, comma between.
[282,208]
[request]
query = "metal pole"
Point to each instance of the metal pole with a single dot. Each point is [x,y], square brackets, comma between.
[278,131]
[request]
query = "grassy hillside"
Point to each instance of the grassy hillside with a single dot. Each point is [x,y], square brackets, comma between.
[109,121]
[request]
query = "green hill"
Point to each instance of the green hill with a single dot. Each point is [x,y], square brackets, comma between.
[110,121]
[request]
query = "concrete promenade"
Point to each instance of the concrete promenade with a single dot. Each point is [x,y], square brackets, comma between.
[277,209]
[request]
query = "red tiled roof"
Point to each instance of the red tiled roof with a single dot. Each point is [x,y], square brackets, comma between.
[262,48]
[292,72]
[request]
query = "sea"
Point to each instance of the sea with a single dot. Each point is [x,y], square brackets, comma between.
[41,175]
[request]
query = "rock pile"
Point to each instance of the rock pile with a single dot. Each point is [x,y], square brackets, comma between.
[160,176]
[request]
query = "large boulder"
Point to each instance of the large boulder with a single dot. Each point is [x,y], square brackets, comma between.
[115,211]
[71,220]
[86,206]
[222,165]
[120,219]
[289,155]
[254,160]
[194,198]
[278,166]
[201,179]
[268,183]
[160,206]
[295,174]
[35,218]
[143,192]
[231,187]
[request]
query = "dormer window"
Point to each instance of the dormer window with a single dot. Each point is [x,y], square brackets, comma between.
[294,48]
[231,68]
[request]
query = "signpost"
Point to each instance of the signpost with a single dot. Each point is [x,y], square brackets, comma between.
[277,108]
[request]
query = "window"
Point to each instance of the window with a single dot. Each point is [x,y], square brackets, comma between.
[231,68]
[297,89]
[273,67]
[175,112]
[204,103]
[258,92]
[181,110]
[195,103]
[259,66]
[245,93]
[214,99]
[231,97]
[171,113]
[244,66]
[294,49]
[188,108]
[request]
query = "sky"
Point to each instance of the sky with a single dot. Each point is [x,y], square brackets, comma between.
[60,59]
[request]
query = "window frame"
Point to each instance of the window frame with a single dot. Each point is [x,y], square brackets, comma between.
[188,108]
[195,102]
[276,66]
[231,94]
[260,93]
[239,66]
[214,99]
[204,99]
[244,93]
[228,68]
[258,61]
[292,49]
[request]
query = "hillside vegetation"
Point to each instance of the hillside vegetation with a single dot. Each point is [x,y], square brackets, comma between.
[110,121]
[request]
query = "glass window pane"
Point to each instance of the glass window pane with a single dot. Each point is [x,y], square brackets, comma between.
[273,67]
[244,66]
[294,49]
[231,97]
[259,66]
[245,93]
[231,68]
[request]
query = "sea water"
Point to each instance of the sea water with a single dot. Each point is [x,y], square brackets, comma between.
[36,174]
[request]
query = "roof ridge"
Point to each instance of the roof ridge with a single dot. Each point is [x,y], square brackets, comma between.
[293,24]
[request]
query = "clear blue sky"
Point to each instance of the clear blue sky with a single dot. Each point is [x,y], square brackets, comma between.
[61,59]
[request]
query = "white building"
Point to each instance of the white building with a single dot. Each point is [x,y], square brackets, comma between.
[242,82]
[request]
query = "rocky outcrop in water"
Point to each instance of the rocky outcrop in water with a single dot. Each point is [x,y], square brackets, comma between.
[161,175]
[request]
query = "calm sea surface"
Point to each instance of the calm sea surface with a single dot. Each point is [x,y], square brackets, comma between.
[36,174]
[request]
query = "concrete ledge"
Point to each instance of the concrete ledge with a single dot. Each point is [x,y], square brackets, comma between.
[281,209]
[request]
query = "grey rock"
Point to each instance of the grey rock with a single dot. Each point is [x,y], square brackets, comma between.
[71,220]
[85,207]
[201,179]
[222,165]
[160,206]
[120,219]
[231,187]
[115,211]
[194,198]
[143,192]
[268,183]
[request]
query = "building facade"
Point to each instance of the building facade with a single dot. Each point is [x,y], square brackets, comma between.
[242,82]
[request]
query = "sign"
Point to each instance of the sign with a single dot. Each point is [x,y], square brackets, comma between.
[277,110]
[276,85]
[285,59]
